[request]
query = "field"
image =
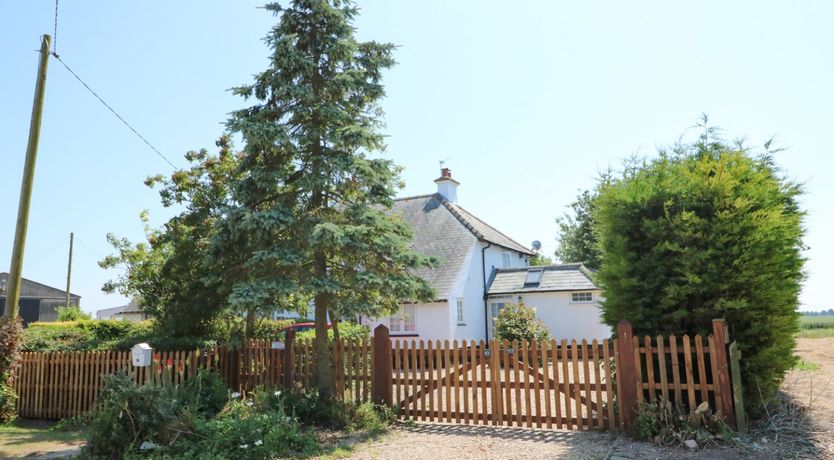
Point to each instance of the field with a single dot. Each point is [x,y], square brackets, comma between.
[816,326]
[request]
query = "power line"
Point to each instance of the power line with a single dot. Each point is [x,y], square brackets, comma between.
[55,35]
[114,112]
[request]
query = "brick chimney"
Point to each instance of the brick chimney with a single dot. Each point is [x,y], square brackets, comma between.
[447,186]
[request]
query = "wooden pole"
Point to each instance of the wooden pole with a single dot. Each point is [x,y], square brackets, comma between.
[382,389]
[626,374]
[738,399]
[69,271]
[16,265]
[719,334]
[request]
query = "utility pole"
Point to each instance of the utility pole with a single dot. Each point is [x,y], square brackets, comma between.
[69,270]
[16,265]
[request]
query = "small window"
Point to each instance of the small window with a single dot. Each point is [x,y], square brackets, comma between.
[582,297]
[505,260]
[403,320]
[460,311]
[533,279]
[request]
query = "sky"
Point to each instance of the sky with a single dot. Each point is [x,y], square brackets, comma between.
[525,101]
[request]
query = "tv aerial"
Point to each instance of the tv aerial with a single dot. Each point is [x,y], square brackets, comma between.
[537,245]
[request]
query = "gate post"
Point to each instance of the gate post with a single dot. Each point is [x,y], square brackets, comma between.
[381,380]
[289,360]
[627,373]
[719,334]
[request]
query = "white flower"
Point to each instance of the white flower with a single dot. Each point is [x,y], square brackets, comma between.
[244,446]
[250,403]
[259,442]
[277,393]
[235,395]
[287,419]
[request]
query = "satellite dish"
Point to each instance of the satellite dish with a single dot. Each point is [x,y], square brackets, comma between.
[537,245]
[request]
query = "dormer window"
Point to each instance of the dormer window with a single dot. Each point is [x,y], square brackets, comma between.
[534,277]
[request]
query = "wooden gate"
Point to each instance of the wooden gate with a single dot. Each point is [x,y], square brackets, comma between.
[537,384]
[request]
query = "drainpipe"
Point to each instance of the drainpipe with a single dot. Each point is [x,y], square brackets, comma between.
[483,274]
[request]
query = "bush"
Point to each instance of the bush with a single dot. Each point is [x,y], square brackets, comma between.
[205,393]
[129,414]
[11,335]
[84,335]
[347,331]
[702,233]
[519,322]
[71,314]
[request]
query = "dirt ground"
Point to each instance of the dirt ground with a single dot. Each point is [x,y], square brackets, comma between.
[803,429]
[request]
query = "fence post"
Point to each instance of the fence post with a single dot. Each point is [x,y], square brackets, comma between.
[289,360]
[738,399]
[381,380]
[627,373]
[719,334]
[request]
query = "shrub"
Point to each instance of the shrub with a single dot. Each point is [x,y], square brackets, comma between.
[347,330]
[519,322]
[702,233]
[129,414]
[205,393]
[71,314]
[309,408]
[11,335]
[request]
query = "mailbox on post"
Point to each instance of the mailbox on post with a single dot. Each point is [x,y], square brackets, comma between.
[142,354]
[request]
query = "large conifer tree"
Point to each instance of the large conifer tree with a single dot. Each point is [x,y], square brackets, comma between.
[309,210]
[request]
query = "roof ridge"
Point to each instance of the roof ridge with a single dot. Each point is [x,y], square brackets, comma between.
[488,225]
[413,197]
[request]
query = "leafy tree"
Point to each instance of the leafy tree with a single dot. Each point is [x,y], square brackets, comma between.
[168,274]
[576,238]
[540,259]
[519,322]
[11,336]
[308,212]
[706,231]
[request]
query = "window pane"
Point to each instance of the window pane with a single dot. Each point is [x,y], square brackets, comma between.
[409,323]
[460,310]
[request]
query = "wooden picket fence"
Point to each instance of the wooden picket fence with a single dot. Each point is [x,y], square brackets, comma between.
[547,384]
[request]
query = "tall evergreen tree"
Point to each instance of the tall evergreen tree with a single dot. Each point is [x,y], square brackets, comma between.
[576,238]
[706,231]
[308,216]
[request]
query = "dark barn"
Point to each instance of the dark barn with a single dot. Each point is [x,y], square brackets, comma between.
[37,301]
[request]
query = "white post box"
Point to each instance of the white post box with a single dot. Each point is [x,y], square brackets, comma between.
[142,354]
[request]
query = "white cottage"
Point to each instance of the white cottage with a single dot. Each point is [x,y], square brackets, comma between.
[473,257]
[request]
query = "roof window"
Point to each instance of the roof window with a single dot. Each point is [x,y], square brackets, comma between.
[533,278]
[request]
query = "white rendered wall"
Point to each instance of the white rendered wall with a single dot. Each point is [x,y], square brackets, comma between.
[568,320]
[432,321]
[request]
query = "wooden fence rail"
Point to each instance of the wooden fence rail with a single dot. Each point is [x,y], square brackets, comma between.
[576,385]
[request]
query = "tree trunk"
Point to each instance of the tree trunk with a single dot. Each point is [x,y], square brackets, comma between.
[324,372]
[334,318]
[250,323]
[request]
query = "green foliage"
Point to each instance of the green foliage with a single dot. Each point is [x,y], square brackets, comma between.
[347,331]
[540,259]
[706,231]
[71,313]
[310,408]
[816,322]
[519,322]
[84,335]
[11,336]
[205,393]
[129,414]
[576,237]
[661,424]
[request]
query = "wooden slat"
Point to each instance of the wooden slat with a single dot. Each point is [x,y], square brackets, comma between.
[609,396]
[446,381]
[517,374]
[507,357]
[398,387]
[455,365]
[638,368]
[650,369]
[465,384]
[598,379]
[587,377]
[661,364]
[546,384]
[494,382]
[690,380]
[676,371]
[412,405]
[577,388]
[714,368]
[473,358]
[536,388]
[557,399]
[565,357]
[433,364]
[482,364]
[525,375]
[702,373]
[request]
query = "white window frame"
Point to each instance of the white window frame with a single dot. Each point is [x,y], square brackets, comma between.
[398,324]
[506,260]
[459,312]
[574,295]
[495,306]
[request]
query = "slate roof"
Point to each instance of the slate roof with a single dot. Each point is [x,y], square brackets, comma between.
[29,288]
[446,231]
[560,277]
